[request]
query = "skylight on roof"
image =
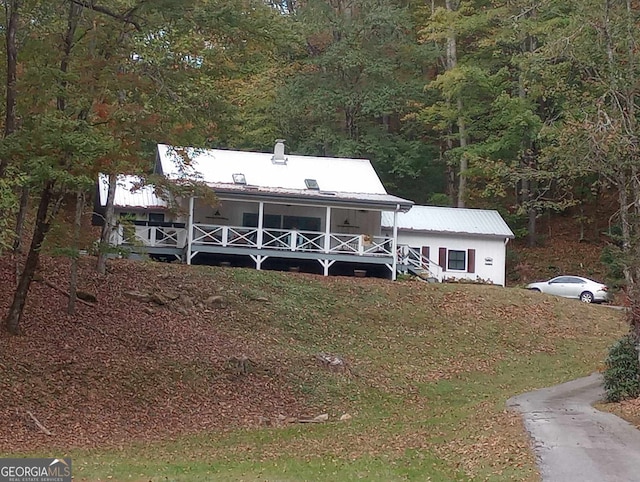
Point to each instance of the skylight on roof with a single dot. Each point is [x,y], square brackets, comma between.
[239,179]
[312,184]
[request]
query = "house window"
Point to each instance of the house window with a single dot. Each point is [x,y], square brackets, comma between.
[276,221]
[270,221]
[457,260]
[156,219]
[303,223]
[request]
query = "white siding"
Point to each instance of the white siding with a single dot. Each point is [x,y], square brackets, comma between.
[486,248]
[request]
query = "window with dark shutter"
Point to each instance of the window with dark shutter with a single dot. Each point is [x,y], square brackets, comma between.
[457,260]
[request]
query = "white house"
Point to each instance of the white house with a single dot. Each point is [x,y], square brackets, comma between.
[451,243]
[273,208]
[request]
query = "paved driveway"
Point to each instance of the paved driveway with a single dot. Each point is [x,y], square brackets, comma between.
[575,442]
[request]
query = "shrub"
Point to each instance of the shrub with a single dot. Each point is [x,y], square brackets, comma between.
[439,199]
[614,261]
[622,373]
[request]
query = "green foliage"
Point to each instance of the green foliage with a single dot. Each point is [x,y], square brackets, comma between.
[512,261]
[439,199]
[8,205]
[356,90]
[622,373]
[614,260]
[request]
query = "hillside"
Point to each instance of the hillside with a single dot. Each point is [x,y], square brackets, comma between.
[428,368]
[559,249]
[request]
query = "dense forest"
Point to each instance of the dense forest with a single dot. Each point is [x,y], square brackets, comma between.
[525,106]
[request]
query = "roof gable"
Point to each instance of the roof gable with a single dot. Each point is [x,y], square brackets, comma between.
[129,194]
[481,222]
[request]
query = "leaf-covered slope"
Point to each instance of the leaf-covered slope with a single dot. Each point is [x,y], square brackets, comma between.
[428,366]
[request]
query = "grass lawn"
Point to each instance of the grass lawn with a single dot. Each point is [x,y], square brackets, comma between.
[429,368]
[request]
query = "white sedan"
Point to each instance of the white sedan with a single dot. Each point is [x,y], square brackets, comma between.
[583,289]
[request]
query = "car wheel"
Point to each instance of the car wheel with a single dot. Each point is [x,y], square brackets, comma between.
[586,297]
[537,290]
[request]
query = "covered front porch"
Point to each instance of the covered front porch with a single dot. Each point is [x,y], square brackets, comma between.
[267,229]
[261,244]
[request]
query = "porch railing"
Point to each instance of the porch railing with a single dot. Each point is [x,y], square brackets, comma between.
[247,237]
[213,235]
[150,236]
[410,258]
[361,244]
[291,240]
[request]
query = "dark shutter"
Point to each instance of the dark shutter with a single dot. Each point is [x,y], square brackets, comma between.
[472,261]
[425,256]
[442,257]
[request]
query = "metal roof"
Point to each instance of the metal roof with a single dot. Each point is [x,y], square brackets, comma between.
[341,181]
[129,195]
[218,166]
[312,196]
[434,219]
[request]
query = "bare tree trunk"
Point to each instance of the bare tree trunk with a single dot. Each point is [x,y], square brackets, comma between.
[14,316]
[531,227]
[464,162]
[581,222]
[12,9]
[528,159]
[630,114]
[73,280]
[108,226]
[22,215]
[451,174]
[452,62]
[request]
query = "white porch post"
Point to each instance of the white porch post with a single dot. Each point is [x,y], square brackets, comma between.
[190,230]
[326,264]
[394,248]
[260,223]
[258,259]
[327,231]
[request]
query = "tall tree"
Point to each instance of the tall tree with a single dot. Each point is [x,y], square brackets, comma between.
[12,15]
[599,133]
[451,63]
[357,87]
[125,76]
[464,86]
[43,217]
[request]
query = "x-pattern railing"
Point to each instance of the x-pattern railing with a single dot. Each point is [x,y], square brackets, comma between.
[242,237]
[345,242]
[378,245]
[276,239]
[152,236]
[292,240]
[310,241]
[207,234]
